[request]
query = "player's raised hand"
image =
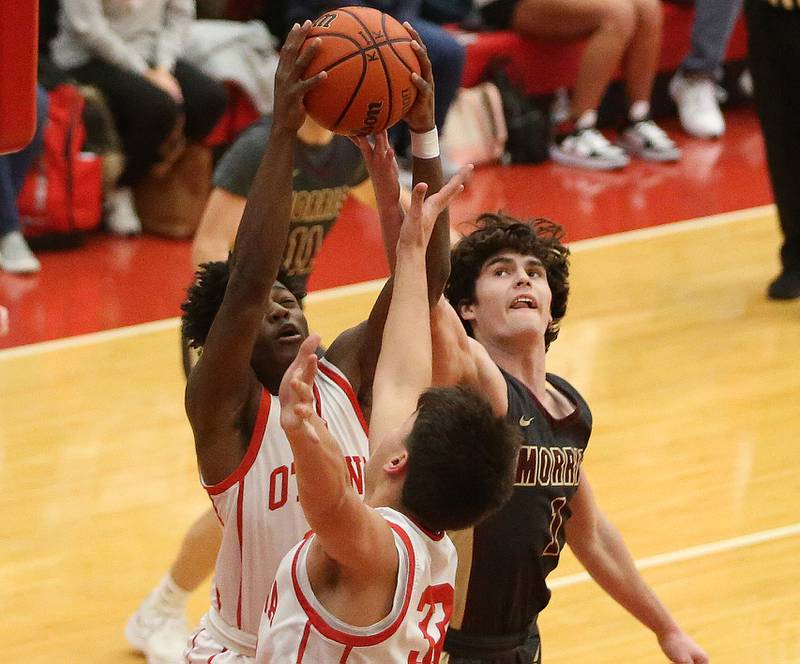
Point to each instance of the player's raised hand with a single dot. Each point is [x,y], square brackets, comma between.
[382,166]
[680,648]
[421,117]
[423,212]
[297,395]
[290,86]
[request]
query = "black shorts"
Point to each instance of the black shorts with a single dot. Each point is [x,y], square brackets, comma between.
[529,652]
[498,14]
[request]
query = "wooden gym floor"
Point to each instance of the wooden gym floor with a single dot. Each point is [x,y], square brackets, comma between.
[693,378]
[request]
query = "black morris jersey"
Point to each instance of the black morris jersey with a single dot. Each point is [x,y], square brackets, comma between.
[504,560]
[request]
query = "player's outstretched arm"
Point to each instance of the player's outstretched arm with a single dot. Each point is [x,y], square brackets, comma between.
[384,173]
[404,369]
[427,165]
[350,533]
[459,359]
[356,351]
[599,547]
[222,383]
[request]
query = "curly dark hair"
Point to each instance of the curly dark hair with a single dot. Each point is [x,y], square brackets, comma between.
[204,298]
[461,459]
[494,233]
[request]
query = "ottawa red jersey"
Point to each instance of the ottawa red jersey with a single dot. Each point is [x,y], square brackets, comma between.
[296,627]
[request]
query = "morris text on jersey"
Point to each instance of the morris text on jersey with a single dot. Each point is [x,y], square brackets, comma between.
[548,466]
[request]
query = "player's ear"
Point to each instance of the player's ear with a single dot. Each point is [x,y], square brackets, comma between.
[466,310]
[396,465]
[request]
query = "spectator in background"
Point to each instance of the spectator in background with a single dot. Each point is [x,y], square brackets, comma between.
[693,88]
[131,51]
[15,254]
[624,33]
[774,45]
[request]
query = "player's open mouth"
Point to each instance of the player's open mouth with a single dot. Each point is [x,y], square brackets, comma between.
[289,334]
[523,302]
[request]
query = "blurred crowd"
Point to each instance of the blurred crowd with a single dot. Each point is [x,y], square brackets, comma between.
[175,75]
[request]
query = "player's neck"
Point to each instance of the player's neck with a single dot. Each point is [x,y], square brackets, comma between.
[382,494]
[313,134]
[526,364]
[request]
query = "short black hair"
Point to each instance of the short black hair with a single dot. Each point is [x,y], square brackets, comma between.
[204,298]
[461,459]
[497,232]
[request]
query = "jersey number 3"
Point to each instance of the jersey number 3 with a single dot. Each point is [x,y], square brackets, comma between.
[436,602]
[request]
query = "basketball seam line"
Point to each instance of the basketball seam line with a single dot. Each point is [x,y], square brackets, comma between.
[349,103]
[363,49]
[397,54]
[378,50]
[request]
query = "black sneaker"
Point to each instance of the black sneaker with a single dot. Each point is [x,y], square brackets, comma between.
[786,286]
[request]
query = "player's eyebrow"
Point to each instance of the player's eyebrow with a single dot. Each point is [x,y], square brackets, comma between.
[507,260]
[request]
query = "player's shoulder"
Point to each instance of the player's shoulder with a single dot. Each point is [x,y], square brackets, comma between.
[571,392]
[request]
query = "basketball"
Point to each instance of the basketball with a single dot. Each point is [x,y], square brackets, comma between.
[368,57]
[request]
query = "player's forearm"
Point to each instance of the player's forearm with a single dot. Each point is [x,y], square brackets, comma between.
[610,564]
[263,231]
[319,467]
[437,258]
[404,365]
[391,219]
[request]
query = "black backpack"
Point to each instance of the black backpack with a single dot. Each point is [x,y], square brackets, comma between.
[528,128]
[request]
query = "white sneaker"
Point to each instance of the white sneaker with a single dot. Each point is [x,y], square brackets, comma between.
[647,140]
[121,217]
[588,148]
[16,256]
[158,632]
[698,105]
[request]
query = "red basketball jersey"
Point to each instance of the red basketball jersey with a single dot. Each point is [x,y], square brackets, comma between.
[259,508]
[296,627]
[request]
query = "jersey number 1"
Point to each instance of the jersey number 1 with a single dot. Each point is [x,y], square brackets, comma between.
[553,548]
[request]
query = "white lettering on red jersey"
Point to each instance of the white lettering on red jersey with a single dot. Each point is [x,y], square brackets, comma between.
[296,627]
[259,509]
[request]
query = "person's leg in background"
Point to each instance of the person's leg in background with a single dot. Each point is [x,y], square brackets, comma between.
[774,49]
[641,136]
[145,115]
[15,255]
[204,100]
[158,627]
[608,27]
[693,88]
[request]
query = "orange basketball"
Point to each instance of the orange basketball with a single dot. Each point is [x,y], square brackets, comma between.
[369,61]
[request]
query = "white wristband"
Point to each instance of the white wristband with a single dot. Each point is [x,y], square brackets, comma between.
[425,146]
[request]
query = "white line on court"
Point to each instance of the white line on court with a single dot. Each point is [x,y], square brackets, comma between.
[692,552]
[671,228]
[376,284]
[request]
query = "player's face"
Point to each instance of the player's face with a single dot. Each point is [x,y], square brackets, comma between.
[283,329]
[512,299]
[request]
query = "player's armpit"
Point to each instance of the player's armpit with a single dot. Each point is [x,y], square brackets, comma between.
[359,540]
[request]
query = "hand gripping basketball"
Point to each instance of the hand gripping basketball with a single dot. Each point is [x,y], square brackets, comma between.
[370,62]
[290,88]
[421,116]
